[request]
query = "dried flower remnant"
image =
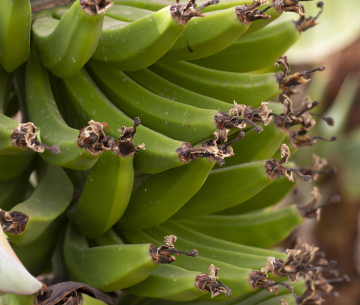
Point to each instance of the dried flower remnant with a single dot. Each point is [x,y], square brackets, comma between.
[13,223]
[182,13]
[275,169]
[24,136]
[95,7]
[248,13]
[210,282]
[289,6]
[285,79]
[299,137]
[306,23]
[164,254]
[260,280]
[316,168]
[283,302]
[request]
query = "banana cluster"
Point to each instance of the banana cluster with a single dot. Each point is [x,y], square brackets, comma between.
[145,120]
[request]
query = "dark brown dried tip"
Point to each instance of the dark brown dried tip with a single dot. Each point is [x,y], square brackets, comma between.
[210,282]
[289,6]
[247,13]
[299,137]
[296,78]
[315,299]
[13,222]
[182,13]
[24,136]
[258,279]
[95,7]
[125,146]
[93,138]
[305,23]
[316,168]
[164,254]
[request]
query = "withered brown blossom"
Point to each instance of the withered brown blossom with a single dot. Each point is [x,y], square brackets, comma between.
[316,168]
[164,253]
[210,282]
[306,23]
[274,169]
[248,13]
[25,136]
[95,7]
[260,280]
[13,223]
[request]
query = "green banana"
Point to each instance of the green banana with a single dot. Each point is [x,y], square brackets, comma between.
[12,166]
[15,24]
[137,45]
[225,86]
[162,87]
[160,153]
[255,51]
[49,200]
[113,267]
[44,112]
[242,182]
[11,298]
[65,46]
[127,13]
[14,191]
[88,300]
[37,254]
[269,196]
[162,195]
[105,196]
[209,35]
[261,229]
[182,122]
[170,283]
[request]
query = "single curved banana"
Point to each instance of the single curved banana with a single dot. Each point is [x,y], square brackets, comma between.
[162,195]
[112,267]
[160,153]
[54,132]
[248,89]
[49,200]
[162,87]
[242,182]
[106,194]
[169,282]
[261,229]
[137,45]
[253,52]
[15,24]
[269,196]
[175,120]
[64,46]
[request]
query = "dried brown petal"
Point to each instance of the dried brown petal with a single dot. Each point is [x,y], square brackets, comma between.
[248,13]
[13,223]
[164,254]
[182,13]
[289,6]
[305,23]
[95,7]
[258,279]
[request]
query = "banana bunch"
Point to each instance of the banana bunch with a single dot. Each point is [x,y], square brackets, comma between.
[147,124]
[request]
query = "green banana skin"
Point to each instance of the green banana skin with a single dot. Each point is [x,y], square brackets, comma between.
[109,238]
[105,196]
[243,182]
[44,113]
[255,51]
[11,298]
[248,89]
[88,300]
[261,229]
[139,44]
[14,191]
[239,259]
[49,200]
[13,166]
[65,46]
[269,196]
[108,268]
[15,24]
[160,153]
[162,195]
[36,255]
[127,13]
[206,36]
[170,283]
[162,87]
[175,120]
